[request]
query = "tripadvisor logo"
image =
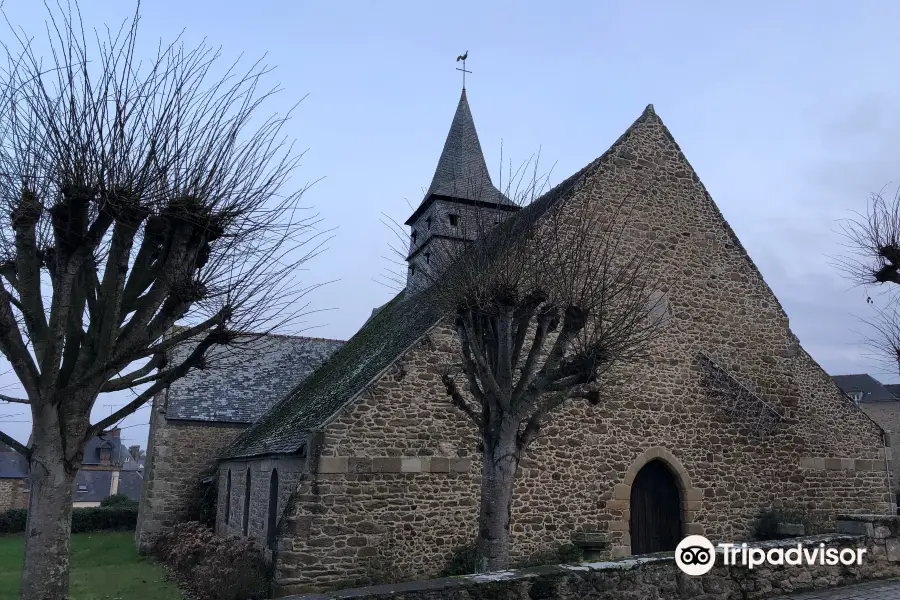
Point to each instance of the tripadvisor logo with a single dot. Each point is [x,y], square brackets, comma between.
[696,555]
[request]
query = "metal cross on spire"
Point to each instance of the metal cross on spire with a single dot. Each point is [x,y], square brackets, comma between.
[463,57]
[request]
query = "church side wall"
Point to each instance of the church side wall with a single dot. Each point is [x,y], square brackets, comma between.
[179,453]
[398,479]
[290,470]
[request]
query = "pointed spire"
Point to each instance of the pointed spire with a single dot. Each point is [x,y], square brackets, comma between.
[461,171]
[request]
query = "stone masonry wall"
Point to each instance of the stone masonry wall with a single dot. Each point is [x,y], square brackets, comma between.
[12,494]
[179,453]
[659,577]
[289,471]
[887,414]
[398,478]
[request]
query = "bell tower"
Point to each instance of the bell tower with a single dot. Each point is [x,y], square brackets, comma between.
[461,202]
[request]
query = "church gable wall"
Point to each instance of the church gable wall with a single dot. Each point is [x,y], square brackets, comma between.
[387,491]
[887,414]
[179,454]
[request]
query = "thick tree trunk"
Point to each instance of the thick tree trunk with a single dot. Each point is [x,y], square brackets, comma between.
[45,574]
[501,461]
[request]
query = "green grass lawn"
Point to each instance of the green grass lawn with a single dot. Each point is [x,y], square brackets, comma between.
[105,566]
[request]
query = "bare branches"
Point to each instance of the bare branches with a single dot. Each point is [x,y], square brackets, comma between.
[547,305]
[140,193]
[873,243]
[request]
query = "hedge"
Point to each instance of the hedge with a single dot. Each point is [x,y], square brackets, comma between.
[106,518]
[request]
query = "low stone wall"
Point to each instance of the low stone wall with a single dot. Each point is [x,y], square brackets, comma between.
[657,576]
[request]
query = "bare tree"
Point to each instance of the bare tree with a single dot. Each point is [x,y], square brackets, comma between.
[137,195]
[546,304]
[873,259]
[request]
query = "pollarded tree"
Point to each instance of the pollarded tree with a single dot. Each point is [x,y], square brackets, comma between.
[546,303]
[137,195]
[873,241]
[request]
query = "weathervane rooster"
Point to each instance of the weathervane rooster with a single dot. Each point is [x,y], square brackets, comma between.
[463,57]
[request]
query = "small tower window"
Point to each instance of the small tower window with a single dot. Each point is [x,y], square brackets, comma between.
[414,238]
[428,223]
[428,258]
[412,270]
[454,220]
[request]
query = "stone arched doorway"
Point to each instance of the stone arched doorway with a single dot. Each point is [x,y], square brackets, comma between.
[620,524]
[655,506]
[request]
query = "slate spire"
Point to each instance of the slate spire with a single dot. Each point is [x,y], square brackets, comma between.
[461,172]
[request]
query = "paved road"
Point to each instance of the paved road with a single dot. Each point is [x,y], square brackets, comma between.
[888,589]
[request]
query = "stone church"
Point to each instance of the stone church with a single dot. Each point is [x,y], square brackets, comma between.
[365,464]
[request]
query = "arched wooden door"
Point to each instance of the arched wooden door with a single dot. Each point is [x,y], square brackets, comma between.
[655,524]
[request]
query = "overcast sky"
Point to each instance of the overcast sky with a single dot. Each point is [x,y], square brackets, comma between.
[787,110]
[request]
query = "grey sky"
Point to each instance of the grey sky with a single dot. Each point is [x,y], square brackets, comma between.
[785,109]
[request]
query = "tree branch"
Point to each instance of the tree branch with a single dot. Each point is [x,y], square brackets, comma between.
[16,445]
[217,336]
[6,398]
[135,377]
[459,402]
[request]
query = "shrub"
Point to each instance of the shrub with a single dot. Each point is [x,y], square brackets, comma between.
[107,518]
[563,554]
[463,561]
[765,527]
[13,520]
[104,518]
[118,500]
[212,567]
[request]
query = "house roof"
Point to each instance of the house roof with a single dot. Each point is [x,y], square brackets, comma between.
[243,380]
[130,484]
[13,465]
[461,172]
[872,389]
[893,388]
[119,454]
[384,337]
[91,486]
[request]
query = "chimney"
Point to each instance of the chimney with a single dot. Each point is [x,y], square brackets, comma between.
[115,432]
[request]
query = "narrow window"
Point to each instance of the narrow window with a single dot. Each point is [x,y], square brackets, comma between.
[428,258]
[273,510]
[228,498]
[412,270]
[247,504]
[428,223]
[454,220]
[414,238]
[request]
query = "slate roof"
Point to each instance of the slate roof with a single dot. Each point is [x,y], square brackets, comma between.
[119,454]
[893,388]
[461,172]
[871,388]
[242,381]
[91,486]
[384,337]
[13,465]
[130,484]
